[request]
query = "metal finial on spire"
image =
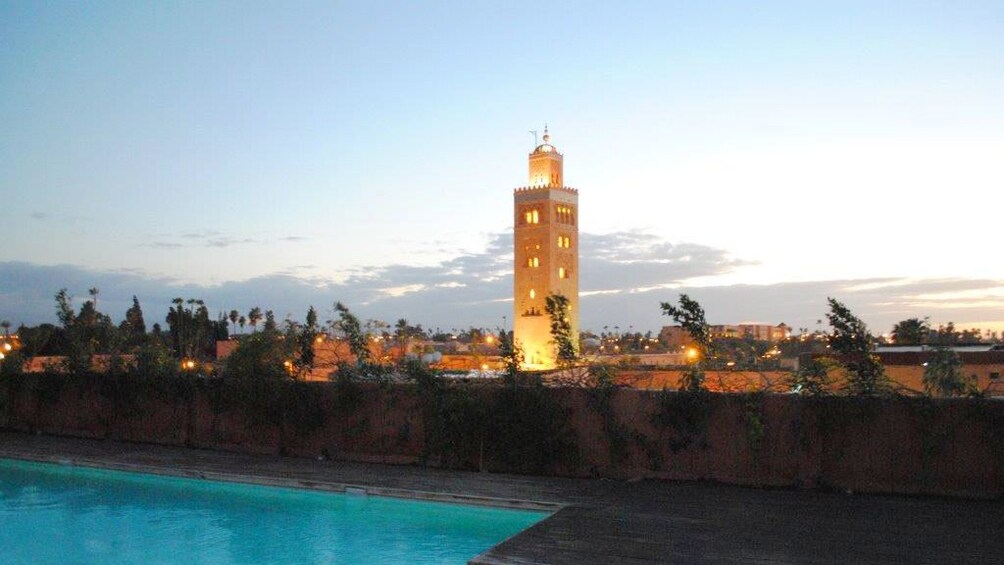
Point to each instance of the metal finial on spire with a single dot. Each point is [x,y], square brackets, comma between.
[547,136]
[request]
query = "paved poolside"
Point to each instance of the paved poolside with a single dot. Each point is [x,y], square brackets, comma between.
[611,522]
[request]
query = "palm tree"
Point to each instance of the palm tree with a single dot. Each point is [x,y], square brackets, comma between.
[401,332]
[6,328]
[94,295]
[242,321]
[234,316]
[179,320]
[254,316]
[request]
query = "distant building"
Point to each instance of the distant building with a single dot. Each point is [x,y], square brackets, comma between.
[546,250]
[982,365]
[675,337]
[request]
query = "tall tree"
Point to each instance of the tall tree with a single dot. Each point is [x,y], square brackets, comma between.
[556,306]
[912,331]
[349,326]
[850,338]
[193,333]
[254,316]
[94,296]
[943,373]
[306,340]
[243,322]
[401,334]
[270,325]
[134,325]
[690,316]
[234,317]
[946,335]
[5,324]
[79,348]
[64,308]
[512,356]
[311,319]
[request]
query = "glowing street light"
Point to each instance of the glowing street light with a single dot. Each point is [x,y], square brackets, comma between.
[692,354]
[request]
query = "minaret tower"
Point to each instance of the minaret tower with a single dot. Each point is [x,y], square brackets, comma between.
[546,248]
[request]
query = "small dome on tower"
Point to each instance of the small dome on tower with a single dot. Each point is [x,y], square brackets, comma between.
[546,147]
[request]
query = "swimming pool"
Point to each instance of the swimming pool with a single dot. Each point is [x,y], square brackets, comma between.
[64,514]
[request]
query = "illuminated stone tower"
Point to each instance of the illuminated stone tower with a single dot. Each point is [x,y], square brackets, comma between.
[546,248]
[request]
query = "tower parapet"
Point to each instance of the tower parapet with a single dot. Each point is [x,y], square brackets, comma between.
[533,188]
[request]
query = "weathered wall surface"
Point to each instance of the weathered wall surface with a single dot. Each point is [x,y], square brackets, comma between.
[890,445]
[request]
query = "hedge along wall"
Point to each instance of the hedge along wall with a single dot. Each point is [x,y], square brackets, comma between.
[889,445]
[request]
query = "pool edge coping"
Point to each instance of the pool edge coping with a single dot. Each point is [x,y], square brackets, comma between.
[290,482]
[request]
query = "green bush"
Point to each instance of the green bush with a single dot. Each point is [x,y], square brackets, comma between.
[601,400]
[686,416]
[154,360]
[12,365]
[529,430]
[258,357]
[302,409]
[513,428]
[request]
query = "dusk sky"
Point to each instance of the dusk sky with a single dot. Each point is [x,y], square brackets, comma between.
[759,156]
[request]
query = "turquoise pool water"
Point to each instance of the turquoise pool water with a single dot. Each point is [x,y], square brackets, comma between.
[63,514]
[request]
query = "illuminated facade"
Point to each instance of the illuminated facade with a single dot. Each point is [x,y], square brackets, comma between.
[546,250]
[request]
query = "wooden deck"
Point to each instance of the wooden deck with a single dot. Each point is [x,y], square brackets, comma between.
[611,522]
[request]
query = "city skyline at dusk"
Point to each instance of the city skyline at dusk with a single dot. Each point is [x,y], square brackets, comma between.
[759,158]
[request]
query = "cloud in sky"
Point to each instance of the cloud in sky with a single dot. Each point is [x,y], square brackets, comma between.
[625,275]
[213,238]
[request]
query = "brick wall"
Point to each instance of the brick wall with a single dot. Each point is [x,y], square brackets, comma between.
[883,445]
